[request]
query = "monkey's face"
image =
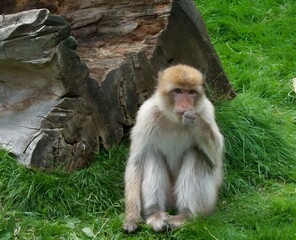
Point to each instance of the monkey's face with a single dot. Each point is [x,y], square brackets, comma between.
[180,89]
[183,100]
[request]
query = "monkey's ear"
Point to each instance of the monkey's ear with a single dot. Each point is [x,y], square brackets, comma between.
[160,74]
[203,78]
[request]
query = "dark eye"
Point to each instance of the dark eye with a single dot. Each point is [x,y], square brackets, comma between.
[192,92]
[177,90]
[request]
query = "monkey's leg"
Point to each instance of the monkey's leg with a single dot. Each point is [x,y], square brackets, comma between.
[196,187]
[156,190]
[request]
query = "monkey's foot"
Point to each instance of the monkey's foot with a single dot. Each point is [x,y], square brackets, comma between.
[159,221]
[177,221]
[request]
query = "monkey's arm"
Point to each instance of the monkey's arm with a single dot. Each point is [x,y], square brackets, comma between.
[134,168]
[133,180]
[207,134]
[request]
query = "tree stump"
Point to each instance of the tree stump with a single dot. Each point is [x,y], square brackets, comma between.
[60,101]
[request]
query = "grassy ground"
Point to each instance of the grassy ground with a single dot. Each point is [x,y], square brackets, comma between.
[255,41]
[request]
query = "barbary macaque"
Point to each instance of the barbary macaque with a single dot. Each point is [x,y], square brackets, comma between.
[176,154]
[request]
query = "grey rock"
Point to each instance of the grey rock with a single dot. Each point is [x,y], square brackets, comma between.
[46,115]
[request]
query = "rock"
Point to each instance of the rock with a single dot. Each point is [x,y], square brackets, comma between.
[46,110]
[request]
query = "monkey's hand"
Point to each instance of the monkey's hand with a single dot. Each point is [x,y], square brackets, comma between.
[190,118]
[131,226]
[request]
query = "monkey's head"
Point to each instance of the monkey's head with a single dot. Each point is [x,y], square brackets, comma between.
[180,89]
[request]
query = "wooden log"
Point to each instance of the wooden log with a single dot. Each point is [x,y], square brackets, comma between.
[58,108]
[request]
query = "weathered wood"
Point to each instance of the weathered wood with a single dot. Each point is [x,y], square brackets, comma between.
[123,43]
[46,110]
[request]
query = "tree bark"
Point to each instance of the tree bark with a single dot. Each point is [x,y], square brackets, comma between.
[58,108]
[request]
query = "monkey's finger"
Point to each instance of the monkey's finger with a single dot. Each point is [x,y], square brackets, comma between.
[190,114]
[130,227]
[187,121]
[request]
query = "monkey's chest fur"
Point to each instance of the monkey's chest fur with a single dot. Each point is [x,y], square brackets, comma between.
[173,145]
[166,139]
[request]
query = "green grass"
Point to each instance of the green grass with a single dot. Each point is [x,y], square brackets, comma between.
[255,41]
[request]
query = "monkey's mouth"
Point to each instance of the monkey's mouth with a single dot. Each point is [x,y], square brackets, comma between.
[179,115]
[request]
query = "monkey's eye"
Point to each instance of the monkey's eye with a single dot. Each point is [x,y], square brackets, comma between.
[177,90]
[192,92]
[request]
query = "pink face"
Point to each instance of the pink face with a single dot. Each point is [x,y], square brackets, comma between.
[183,99]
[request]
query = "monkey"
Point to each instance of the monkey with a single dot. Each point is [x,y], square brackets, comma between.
[176,153]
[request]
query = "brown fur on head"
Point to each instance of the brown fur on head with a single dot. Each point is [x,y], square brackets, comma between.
[179,76]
